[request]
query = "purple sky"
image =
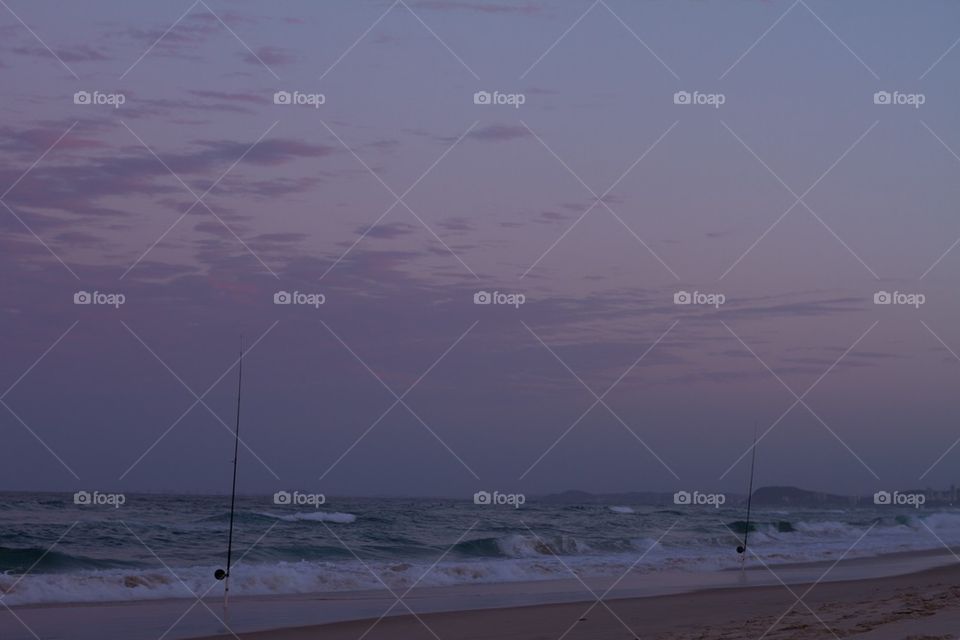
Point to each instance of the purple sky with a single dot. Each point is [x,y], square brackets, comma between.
[399,198]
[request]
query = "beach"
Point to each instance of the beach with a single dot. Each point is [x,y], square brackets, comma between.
[917,606]
[145,571]
[898,596]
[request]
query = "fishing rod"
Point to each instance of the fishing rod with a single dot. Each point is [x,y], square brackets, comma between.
[746,530]
[224,574]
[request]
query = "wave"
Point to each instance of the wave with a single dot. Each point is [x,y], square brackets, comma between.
[401,541]
[940,521]
[268,579]
[741,526]
[312,516]
[484,560]
[521,546]
[259,516]
[33,559]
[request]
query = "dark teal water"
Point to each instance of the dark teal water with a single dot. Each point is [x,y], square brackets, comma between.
[52,550]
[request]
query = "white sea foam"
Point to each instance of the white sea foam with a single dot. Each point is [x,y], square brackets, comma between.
[824,528]
[314,516]
[528,546]
[939,521]
[266,579]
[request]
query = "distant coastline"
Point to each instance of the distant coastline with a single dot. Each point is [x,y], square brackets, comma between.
[769,496]
[772,496]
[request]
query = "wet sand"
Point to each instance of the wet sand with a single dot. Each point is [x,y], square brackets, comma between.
[918,606]
[911,595]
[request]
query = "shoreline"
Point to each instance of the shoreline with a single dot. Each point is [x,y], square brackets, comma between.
[909,561]
[478,605]
[924,605]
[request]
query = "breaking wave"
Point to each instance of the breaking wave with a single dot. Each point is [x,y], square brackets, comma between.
[312,516]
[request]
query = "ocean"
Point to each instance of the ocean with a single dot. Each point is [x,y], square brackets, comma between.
[155,546]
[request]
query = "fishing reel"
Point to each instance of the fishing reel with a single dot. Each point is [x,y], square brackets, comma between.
[220,574]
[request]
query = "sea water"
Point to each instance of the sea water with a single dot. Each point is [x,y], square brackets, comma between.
[155,546]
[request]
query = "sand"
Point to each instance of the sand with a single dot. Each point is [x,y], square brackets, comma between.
[914,595]
[919,606]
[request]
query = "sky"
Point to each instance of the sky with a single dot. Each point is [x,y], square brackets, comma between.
[486,218]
